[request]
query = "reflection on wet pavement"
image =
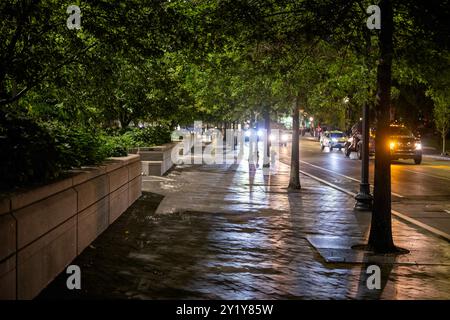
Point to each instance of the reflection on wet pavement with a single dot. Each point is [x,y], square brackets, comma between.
[230,232]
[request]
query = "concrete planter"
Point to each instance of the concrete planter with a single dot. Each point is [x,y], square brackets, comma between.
[157,160]
[42,230]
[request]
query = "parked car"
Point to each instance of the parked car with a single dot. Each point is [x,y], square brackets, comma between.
[333,139]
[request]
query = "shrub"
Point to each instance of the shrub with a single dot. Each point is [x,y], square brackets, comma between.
[118,145]
[28,152]
[35,152]
[150,136]
[77,146]
[115,146]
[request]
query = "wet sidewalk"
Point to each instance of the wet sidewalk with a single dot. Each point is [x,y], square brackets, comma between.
[230,232]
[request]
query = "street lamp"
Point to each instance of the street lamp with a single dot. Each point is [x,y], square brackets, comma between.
[311,127]
[364,198]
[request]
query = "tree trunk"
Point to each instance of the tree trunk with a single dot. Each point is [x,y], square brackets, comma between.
[124,118]
[2,90]
[294,181]
[443,143]
[380,239]
[251,157]
[266,162]
[14,92]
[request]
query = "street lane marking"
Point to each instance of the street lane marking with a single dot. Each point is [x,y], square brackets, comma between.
[344,176]
[431,229]
[427,174]
[413,221]
[339,174]
[328,183]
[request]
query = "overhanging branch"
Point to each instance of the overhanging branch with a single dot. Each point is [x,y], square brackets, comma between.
[32,84]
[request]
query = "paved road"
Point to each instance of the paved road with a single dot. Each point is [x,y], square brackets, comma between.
[420,192]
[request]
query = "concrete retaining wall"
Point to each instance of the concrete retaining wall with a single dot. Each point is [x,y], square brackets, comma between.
[42,230]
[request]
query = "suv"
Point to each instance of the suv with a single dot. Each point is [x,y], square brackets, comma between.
[404,145]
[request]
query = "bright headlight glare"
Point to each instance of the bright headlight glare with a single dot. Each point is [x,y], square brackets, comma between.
[334,139]
[260,133]
[418,146]
[392,145]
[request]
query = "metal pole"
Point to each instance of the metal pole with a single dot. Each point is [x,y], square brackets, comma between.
[364,198]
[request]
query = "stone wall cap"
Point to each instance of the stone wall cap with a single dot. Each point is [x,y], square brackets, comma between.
[163,147]
[130,158]
[87,173]
[5,204]
[24,197]
[112,164]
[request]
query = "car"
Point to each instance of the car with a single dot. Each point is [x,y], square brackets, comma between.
[254,133]
[403,144]
[247,134]
[333,139]
[284,137]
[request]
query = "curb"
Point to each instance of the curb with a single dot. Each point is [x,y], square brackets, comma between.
[436,157]
[398,215]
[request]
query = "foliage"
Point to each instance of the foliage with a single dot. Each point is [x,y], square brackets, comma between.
[148,136]
[136,62]
[36,151]
[116,145]
[441,113]
[29,154]
[442,116]
[76,145]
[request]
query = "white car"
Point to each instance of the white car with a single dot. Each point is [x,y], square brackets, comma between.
[284,137]
[253,133]
[333,139]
